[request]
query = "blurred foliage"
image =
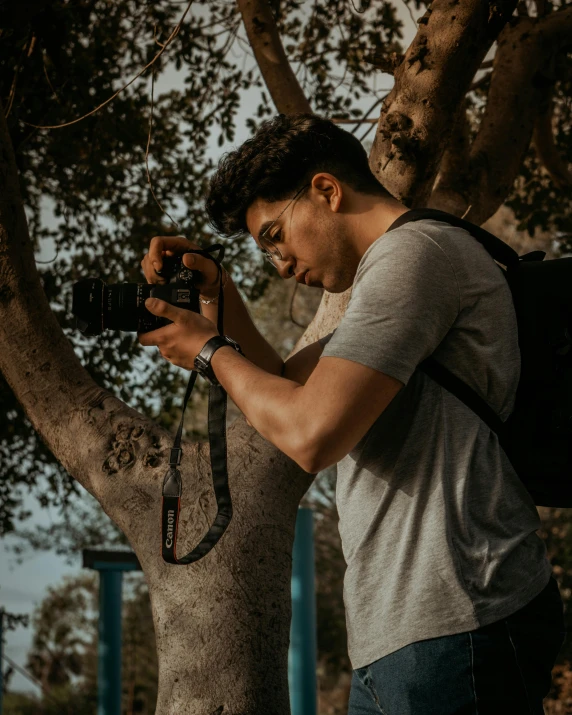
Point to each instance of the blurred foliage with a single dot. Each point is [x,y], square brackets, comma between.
[85,187]
[535,200]
[63,655]
[63,626]
[537,204]
[9,622]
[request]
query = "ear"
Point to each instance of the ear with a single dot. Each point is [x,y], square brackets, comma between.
[328,188]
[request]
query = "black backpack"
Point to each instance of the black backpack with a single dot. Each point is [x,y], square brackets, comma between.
[537,437]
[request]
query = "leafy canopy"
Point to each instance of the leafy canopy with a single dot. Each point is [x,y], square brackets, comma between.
[85,186]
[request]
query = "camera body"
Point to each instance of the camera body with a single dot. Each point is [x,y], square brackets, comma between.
[121,306]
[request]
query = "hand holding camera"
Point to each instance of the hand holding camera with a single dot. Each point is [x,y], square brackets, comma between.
[174,276]
[206,274]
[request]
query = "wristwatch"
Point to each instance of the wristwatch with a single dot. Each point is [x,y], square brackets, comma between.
[203,360]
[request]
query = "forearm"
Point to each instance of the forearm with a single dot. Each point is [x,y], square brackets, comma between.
[239,326]
[272,404]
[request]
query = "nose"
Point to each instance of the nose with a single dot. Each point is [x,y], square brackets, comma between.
[285,267]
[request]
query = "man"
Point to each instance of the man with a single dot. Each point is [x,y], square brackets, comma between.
[450,603]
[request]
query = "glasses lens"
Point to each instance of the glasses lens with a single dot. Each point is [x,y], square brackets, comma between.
[271,250]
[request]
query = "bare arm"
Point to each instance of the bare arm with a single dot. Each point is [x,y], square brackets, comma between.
[239,326]
[315,424]
[301,365]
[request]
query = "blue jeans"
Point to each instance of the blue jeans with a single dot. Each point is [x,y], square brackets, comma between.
[500,669]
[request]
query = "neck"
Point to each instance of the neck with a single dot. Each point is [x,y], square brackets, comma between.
[372,216]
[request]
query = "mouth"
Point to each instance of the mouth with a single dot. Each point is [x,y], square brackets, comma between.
[301,277]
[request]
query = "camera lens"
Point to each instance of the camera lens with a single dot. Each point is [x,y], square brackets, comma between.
[122,304]
[87,299]
[98,307]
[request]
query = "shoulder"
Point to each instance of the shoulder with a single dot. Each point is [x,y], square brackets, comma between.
[433,245]
[413,247]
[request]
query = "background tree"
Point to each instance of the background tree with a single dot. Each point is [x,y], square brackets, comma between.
[445,136]
[63,656]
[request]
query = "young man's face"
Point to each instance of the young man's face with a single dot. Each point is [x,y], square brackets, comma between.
[311,233]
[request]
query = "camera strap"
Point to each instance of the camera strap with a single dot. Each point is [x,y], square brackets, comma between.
[172,483]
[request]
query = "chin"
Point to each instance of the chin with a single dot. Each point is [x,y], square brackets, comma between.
[338,287]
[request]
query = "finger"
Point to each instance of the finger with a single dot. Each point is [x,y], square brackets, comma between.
[159,337]
[149,271]
[160,244]
[146,339]
[208,270]
[165,310]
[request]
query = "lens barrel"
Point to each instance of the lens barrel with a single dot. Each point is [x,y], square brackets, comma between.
[121,306]
[87,301]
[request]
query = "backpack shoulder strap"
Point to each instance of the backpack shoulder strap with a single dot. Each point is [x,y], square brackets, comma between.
[498,249]
[463,392]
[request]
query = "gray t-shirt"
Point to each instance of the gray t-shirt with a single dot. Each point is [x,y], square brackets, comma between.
[437,530]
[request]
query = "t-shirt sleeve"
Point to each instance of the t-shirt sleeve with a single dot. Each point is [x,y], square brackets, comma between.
[405,299]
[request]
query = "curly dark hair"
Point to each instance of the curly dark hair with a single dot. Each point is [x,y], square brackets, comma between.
[283,155]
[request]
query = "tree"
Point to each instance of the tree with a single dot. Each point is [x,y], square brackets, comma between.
[63,655]
[60,638]
[445,136]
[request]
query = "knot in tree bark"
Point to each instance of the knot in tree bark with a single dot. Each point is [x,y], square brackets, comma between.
[122,450]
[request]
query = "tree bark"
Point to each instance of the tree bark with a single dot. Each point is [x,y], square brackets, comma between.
[449,192]
[264,39]
[418,114]
[521,76]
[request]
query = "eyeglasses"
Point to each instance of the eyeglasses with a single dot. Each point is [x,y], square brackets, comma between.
[271,251]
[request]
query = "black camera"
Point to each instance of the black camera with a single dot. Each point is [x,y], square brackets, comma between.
[99,307]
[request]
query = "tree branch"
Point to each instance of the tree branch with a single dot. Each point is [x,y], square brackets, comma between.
[557,27]
[386,62]
[449,191]
[418,115]
[337,120]
[264,39]
[522,75]
[543,139]
[120,457]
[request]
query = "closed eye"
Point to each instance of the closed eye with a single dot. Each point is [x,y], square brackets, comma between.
[277,236]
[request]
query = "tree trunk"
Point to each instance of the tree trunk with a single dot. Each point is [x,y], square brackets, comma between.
[222,624]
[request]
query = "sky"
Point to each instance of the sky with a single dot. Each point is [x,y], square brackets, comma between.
[22,586]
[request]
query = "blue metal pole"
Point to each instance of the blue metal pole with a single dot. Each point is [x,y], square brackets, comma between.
[109,646]
[302,655]
[1,661]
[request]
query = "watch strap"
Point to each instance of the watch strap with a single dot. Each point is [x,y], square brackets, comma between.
[203,359]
